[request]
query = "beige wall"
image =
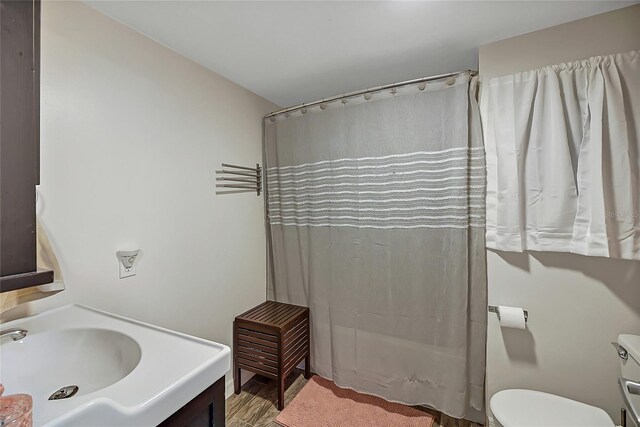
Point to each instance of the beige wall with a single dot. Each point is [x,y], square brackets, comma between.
[132,133]
[577,305]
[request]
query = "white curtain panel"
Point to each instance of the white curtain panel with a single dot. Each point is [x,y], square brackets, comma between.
[563,158]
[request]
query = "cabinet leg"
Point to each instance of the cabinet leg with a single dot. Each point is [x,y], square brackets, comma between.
[281,393]
[237,380]
[307,366]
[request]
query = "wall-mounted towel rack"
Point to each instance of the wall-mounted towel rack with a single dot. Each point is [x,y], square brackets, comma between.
[240,178]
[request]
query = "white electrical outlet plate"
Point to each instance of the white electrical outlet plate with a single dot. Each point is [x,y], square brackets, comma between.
[127,272]
[126,261]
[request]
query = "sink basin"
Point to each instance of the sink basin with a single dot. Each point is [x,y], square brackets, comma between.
[90,359]
[128,373]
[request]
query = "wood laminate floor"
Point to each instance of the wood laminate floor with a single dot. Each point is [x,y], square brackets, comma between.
[255,405]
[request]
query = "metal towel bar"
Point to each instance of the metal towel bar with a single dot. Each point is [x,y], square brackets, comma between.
[253,182]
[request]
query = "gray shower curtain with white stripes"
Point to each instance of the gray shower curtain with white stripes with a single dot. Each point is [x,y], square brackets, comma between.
[376,223]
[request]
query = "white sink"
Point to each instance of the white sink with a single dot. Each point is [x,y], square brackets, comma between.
[90,359]
[127,372]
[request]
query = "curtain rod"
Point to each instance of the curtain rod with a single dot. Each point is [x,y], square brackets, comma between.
[372,89]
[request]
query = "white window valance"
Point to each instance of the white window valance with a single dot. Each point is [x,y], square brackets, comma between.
[563,159]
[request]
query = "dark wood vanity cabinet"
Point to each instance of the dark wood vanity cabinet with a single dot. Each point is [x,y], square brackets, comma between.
[205,410]
[19,143]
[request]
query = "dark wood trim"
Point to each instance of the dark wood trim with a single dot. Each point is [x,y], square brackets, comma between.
[205,410]
[17,138]
[217,411]
[19,143]
[25,280]
[36,86]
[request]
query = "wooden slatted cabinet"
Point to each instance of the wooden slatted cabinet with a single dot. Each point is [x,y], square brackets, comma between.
[271,340]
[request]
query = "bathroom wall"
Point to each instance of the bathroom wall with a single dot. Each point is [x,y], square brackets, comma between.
[577,305]
[132,133]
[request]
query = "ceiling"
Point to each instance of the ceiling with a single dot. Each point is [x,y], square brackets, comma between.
[299,51]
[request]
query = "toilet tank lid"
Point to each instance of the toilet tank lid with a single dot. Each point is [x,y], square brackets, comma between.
[631,343]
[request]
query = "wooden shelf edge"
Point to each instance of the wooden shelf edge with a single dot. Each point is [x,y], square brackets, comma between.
[25,280]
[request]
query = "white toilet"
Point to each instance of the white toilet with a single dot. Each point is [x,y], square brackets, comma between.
[528,408]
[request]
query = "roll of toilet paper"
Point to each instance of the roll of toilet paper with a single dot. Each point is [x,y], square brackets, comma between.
[511,317]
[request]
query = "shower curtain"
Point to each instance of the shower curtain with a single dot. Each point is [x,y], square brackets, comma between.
[376,223]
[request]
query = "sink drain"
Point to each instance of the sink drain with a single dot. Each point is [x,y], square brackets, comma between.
[64,392]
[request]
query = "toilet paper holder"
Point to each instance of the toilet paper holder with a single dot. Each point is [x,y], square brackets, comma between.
[496,310]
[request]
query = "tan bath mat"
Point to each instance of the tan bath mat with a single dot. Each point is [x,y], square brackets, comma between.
[321,403]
